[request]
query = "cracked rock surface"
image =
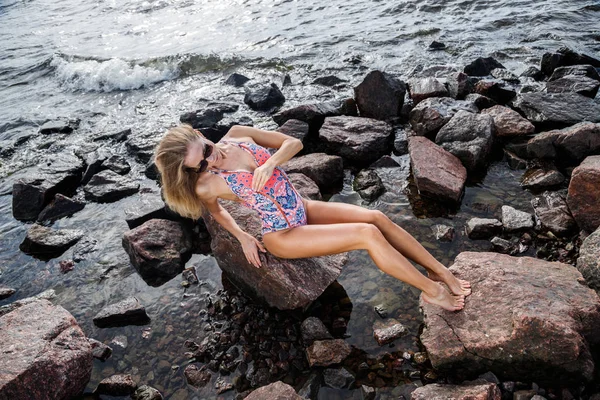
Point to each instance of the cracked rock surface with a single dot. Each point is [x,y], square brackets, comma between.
[527,319]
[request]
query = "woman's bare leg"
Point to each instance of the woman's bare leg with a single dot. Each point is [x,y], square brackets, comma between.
[320,240]
[320,212]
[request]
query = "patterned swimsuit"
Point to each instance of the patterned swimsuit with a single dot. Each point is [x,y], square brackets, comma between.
[278,203]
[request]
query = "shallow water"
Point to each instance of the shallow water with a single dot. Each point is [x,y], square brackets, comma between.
[140,64]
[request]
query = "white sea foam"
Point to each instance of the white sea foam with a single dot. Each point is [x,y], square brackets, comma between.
[110,75]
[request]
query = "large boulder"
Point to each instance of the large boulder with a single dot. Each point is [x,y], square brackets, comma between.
[584,194]
[282,283]
[305,185]
[431,114]
[508,122]
[557,108]
[435,391]
[314,114]
[552,213]
[482,66]
[380,96]
[588,262]
[569,145]
[527,319]
[158,249]
[46,243]
[437,173]
[359,141]
[264,97]
[574,84]
[125,312]
[469,137]
[421,89]
[45,354]
[325,170]
[274,391]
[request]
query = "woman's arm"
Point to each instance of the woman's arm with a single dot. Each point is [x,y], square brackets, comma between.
[250,245]
[287,147]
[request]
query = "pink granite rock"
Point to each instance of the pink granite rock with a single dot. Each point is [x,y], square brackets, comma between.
[275,391]
[437,173]
[584,194]
[527,319]
[436,391]
[45,354]
[508,122]
[323,353]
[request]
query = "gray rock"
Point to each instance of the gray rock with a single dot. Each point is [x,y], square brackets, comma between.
[146,392]
[329,80]
[323,353]
[368,184]
[553,214]
[99,350]
[575,70]
[574,84]
[443,233]
[125,312]
[295,128]
[469,137]
[367,392]
[541,178]
[496,90]
[359,141]
[310,389]
[380,96]
[314,114]
[423,88]
[236,79]
[338,378]
[264,97]
[59,126]
[436,391]
[431,114]
[108,186]
[116,385]
[48,243]
[482,66]
[6,292]
[388,330]
[480,101]
[483,228]
[514,161]
[118,164]
[504,74]
[147,206]
[557,108]
[385,162]
[313,329]
[569,145]
[514,220]
[459,85]
[325,170]
[61,206]
[400,142]
[502,245]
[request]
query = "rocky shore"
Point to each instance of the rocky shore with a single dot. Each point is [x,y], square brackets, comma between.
[528,331]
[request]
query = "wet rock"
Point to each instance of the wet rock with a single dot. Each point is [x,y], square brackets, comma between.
[123,313]
[400,142]
[108,186]
[584,194]
[118,164]
[264,97]
[380,96]
[359,141]
[437,391]
[99,350]
[236,79]
[142,145]
[368,184]
[575,70]
[483,228]
[541,178]
[325,170]
[515,220]
[569,57]
[295,128]
[505,75]
[43,343]
[553,214]
[337,378]
[480,101]
[557,108]
[59,126]
[469,137]
[119,136]
[443,233]
[431,114]
[310,389]
[314,114]
[437,173]
[306,185]
[495,90]
[533,72]
[147,206]
[197,377]
[381,310]
[502,245]
[222,386]
[66,266]
[145,392]
[459,85]
[574,84]
[83,248]
[94,162]
[421,89]
[274,391]
[367,392]
[10,307]
[323,353]
[388,330]
[385,162]
[569,145]
[329,80]
[514,161]
[116,385]
[6,292]
[508,122]
[313,329]
[588,262]
[278,280]
[47,243]
[61,206]
[158,249]
[555,323]
[482,66]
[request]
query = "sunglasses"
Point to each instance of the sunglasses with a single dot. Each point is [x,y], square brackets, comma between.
[208,149]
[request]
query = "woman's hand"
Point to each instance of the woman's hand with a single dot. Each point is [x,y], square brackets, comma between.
[251,245]
[261,176]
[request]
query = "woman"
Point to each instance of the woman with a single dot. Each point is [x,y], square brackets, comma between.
[195,172]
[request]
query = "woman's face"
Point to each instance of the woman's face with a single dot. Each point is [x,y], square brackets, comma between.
[196,151]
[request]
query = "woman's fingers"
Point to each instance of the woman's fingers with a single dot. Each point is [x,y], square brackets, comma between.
[259,244]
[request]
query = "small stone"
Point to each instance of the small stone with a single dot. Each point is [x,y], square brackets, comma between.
[367,392]
[381,310]
[387,331]
[66,266]
[146,392]
[313,329]
[323,353]
[420,357]
[338,378]
[502,245]
[482,228]
[99,350]
[514,220]
[443,233]
[117,385]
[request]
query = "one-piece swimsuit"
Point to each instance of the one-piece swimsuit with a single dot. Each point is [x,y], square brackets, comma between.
[278,203]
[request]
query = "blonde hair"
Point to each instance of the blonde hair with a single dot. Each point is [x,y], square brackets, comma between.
[178,184]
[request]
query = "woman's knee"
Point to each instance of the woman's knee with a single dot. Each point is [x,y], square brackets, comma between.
[370,234]
[378,218]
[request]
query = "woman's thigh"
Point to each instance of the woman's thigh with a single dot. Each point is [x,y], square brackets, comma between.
[322,212]
[319,240]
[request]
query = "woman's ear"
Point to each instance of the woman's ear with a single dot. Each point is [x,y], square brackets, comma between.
[199,133]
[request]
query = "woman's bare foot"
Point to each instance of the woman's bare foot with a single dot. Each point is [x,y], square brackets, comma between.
[457,286]
[445,299]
